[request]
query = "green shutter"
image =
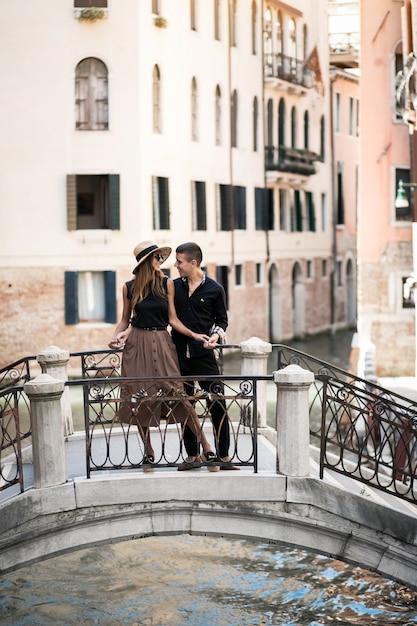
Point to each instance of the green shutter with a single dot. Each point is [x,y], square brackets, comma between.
[110,297]
[71,297]
[163,192]
[114,201]
[225,207]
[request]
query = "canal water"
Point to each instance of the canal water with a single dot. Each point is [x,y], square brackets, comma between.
[200,581]
[205,581]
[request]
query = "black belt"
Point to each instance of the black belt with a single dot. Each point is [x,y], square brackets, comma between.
[154,328]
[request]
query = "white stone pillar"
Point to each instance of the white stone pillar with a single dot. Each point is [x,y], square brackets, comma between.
[53,361]
[293,422]
[255,354]
[48,446]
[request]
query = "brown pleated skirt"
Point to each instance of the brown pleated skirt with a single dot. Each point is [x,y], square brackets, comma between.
[152,354]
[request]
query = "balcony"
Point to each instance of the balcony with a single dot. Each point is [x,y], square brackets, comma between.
[292,160]
[287,69]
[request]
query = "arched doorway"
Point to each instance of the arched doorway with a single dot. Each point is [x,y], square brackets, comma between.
[298,301]
[275,329]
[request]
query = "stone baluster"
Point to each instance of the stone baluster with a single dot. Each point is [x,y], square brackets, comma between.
[293,421]
[48,445]
[254,353]
[53,361]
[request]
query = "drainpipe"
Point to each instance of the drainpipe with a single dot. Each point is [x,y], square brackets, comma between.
[334,215]
[232,217]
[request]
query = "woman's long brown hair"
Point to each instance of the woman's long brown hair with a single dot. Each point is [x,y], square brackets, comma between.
[148,280]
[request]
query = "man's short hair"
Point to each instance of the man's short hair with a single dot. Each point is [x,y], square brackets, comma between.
[191,251]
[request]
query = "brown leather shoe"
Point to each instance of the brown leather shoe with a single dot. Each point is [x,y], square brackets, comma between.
[190,463]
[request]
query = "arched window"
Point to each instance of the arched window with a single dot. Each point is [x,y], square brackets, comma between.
[270,123]
[218,113]
[293,46]
[156,99]
[91,95]
[194,110]
[233,127]
[305,41]
[217,20]
[293,127]
[193,15]
[267,35]
[254,23]
[255,124]
[322,138]
[233,16]
[281,123]
[278,37]
[306,129]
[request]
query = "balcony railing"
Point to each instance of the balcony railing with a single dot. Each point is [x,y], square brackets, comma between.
[288,68]
[293,160]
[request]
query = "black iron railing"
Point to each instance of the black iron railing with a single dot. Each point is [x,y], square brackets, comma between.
[367,436]
[288,68]
[113,444]
[364,431]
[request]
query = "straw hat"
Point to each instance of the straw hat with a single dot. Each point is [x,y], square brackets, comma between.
[145,248]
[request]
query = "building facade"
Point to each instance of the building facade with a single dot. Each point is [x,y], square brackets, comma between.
[386,314]
[171,121]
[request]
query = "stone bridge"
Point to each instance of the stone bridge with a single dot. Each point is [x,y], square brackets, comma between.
[284,502]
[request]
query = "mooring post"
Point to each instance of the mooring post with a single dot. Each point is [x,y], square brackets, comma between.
[255,354]
[48,446]
[54,361]
[293,421]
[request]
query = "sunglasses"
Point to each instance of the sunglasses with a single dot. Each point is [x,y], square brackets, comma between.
[159,257]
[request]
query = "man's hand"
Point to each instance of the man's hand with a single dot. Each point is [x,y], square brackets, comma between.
[212,341]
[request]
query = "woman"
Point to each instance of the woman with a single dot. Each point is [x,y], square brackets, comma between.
[148,308]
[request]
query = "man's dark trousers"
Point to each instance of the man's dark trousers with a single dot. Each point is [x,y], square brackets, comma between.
[207,366]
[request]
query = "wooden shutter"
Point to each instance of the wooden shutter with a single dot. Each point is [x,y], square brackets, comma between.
[110,297]
[200,197]
[163,194]
[71,297]
[114,201]
[225,207]
[71,202]
[239,207]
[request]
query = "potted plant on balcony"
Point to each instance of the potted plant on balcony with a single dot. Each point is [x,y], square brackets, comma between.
[160,22]
[92,14]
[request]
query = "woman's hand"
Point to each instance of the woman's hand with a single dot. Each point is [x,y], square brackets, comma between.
[211,341]
[201,337]
[119,340]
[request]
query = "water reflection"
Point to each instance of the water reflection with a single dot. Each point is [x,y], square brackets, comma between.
[200,581]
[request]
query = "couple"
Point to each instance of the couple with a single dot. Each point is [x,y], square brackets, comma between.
[194,306]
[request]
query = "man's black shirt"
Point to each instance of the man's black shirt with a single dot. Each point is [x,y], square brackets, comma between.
[199,312]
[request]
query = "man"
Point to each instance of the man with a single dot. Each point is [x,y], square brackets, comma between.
[200,303]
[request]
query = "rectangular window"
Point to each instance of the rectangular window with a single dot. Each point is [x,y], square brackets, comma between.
[324,267]
[232,207]
[298,211]
[222,277]
[193,14]
[283,210]
[238,275]
[239,207]
[339,273]
[264,208]
[258,273]
[156,7]
[90,297]
[351,116]
[160,203]
[340,196]
[409,292]
[311,216]
[309,269]
[323,212]
[198,204]
[337,112]
[93,201]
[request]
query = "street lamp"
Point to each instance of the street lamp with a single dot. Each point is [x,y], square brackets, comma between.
[401,201]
